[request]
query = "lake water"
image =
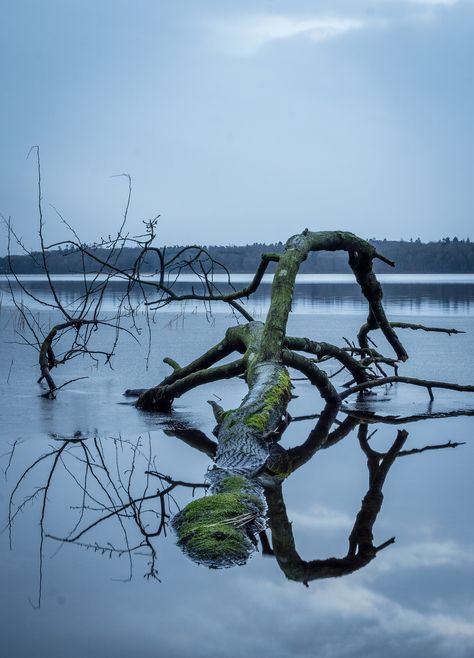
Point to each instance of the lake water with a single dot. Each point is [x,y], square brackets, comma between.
[414,599]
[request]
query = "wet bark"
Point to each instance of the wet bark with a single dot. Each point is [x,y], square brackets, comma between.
[267,349]
[247,436]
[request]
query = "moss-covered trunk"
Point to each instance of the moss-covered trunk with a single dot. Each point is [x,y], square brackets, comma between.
[247,435]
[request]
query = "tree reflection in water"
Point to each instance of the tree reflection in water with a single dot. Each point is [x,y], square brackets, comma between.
[114,486]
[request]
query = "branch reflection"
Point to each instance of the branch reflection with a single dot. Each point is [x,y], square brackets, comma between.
[119,503]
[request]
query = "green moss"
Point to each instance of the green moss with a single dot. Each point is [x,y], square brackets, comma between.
[254,501]
[258,421]
[275,396]
[232,483]
[282,389]
[211,530]
[217,547]
[225,415]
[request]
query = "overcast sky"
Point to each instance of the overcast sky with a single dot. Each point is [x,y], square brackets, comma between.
[240,121]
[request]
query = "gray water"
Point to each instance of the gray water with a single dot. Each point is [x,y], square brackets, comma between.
[414,599]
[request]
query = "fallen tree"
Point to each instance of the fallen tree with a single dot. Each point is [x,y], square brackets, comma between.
[248,461]
[113,484]
[247,457]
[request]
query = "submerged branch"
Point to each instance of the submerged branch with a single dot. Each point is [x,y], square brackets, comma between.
[426,383]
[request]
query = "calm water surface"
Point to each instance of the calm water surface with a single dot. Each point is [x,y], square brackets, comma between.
[415,599]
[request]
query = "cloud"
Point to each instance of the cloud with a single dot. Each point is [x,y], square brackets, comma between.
[322,518]
[246,35]
[435,3]
[430,10]
[372,618]
[424,555]
[352,601]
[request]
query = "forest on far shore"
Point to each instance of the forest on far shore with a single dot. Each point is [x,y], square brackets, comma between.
[449,255]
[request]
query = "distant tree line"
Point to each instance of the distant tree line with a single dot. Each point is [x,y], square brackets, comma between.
[449,255]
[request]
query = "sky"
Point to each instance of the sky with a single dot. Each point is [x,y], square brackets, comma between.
[239,122]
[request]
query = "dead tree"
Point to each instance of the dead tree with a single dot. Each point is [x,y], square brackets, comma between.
[361,550]
[149,283]
[111,481]
[247,454]
[267,352]
[114,484]
[247,436]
